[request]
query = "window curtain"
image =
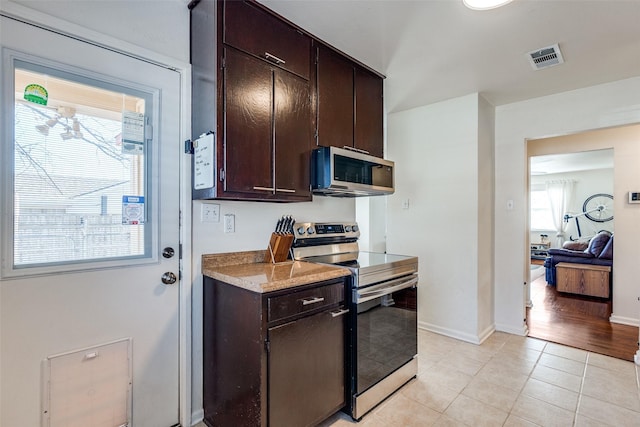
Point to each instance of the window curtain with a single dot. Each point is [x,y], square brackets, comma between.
[561,194]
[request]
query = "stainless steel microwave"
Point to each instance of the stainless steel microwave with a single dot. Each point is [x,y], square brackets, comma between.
[347,173]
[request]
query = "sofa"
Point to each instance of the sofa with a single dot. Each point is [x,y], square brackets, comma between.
[598,251]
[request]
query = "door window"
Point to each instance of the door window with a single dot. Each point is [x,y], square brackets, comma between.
[78,187]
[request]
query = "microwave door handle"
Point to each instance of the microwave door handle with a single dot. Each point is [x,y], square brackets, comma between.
[368,296]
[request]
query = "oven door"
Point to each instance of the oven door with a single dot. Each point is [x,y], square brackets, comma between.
[386,329]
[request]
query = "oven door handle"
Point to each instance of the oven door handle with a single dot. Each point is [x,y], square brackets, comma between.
[368,296]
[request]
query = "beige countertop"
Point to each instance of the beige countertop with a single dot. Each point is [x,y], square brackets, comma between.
[248,271]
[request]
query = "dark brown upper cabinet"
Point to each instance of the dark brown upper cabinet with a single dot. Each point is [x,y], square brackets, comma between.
[264,86]
[256,32]
[349,103]
[264,128]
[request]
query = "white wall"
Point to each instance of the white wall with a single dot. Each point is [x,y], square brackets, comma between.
[444,169]
[602,106]
[587,183]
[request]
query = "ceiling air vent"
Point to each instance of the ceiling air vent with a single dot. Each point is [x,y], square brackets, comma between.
[545,57]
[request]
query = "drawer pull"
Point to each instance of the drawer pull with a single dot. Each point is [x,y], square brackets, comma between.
[274,59]
[285,190]
[312,300]
[339,312]
[264,188]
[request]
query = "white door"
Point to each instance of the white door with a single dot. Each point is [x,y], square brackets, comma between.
[90,201]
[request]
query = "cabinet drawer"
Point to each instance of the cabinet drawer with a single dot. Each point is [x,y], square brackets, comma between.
[248,28]
[284,306]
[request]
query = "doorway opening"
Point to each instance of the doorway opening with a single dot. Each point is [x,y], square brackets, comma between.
[571,191]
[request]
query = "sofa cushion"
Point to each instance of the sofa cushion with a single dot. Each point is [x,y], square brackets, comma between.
[570,253]
[575,246]
[597,243]
[607,251]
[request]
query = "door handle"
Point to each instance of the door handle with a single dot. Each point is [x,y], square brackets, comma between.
[169,278]
[339,312]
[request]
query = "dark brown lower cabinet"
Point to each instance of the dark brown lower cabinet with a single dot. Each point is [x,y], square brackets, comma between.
[274,359]
[306,370]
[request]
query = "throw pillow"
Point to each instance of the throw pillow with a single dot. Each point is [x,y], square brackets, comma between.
[607,251]
[597,243]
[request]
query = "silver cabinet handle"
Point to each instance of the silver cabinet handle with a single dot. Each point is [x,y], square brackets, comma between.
[314,300]
[339,312]
[264,188]
[274,59]
[373,294]
[285,190]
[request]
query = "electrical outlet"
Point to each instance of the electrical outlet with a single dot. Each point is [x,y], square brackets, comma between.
[229,223]
[210,212]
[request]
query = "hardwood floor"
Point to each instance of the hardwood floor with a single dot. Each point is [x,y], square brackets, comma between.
[576,321]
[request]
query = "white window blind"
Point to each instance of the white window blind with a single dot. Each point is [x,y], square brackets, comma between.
[75,163]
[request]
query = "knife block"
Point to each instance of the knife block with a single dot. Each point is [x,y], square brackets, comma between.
[278,250]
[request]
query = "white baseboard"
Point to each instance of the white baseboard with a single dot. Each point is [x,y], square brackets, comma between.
[636,357]
[510,329]
[197,416]
[624,320]
[486,333]
[454,333]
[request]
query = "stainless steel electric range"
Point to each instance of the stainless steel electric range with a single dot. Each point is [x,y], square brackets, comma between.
[382,298]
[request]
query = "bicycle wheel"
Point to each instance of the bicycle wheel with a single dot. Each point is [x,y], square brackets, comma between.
[599,207]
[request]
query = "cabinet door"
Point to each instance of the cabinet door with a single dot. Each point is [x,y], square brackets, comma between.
[293,136]
[369,112]
[334,99]
[259,33]
[248,88]
[306,370]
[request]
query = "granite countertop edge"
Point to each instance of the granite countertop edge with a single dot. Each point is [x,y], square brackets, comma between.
[248,270]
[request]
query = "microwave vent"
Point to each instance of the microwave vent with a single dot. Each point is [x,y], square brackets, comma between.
[545,57]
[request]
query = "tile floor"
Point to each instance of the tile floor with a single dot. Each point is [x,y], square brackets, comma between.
[508,381]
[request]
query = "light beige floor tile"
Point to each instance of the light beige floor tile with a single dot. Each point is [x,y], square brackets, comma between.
[555,377]
[503,377]
[525,353]
[426,393]
[611,363]
[513,421]
[402,411]
[492,394]
[607,412]
[551,394]
[475,413]
[461,363]
[582,421]
[449,378]
[613,390]
[446,421]
[542,413]
[615,377]
[560,363]
[507,361]
[477,352]
[566,352]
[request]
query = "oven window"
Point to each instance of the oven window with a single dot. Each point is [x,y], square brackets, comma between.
[386,336]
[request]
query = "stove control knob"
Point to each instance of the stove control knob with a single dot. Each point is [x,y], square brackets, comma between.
[347,228]
[310,230]
[354,228]
[300,230]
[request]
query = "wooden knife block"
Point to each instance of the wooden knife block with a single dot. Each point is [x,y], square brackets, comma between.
[278,250]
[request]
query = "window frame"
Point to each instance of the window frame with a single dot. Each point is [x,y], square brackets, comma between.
[11,60]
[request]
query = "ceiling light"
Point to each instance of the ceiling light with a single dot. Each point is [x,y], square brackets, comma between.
[485,4]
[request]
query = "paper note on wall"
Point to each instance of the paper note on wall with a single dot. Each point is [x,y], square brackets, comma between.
[203,162]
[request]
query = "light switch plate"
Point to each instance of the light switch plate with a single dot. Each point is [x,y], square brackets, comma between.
[634,196]
[210,212]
